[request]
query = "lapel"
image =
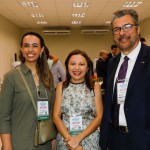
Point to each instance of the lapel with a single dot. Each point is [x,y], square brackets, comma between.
[101,59]
[111,73]
[138,69]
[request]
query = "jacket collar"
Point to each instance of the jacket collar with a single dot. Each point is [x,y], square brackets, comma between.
[138,68]
[24,68]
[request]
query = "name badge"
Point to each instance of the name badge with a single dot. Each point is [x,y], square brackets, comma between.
[121,92]
[75,125]
[43,111]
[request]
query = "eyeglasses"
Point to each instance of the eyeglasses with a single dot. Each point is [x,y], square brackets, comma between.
[125,28]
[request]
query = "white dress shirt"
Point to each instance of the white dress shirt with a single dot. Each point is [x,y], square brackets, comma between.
[132,59]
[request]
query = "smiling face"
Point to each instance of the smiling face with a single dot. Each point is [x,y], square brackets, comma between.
[77,68]
[31,48]
[126,41]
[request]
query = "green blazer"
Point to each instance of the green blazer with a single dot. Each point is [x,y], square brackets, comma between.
[17,115]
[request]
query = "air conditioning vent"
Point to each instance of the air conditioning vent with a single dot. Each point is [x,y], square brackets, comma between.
[56,31]
[95,31]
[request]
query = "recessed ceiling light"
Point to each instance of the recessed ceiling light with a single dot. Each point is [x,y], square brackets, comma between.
[132,4]
[41,22]
[38,15]
[29,4]
[78,15]
[76,22]
[85,4]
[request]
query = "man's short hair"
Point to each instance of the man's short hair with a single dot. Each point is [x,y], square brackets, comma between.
[102,52]
[121,13]
[142,39]
[113,46]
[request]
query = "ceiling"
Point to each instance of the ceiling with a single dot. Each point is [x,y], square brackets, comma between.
[59,12]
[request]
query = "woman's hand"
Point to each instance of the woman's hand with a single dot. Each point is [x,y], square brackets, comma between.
[73,142]
[53,144]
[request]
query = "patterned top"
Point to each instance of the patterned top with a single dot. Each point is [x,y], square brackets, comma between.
[78,99]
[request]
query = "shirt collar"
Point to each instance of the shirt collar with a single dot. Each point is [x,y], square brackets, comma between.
[112,54]
[133,55]
[24,68]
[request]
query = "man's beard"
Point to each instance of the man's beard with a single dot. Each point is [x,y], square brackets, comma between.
[130,44]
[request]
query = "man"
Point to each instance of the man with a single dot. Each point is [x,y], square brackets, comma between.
[112,53]
[101,66]
[132,94]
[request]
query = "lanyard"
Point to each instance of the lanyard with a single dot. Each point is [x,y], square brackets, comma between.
[38,94]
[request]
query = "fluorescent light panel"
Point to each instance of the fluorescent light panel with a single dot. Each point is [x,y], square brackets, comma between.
[108,22]
[37,15]
[29,4]
[132,4]
[81,5]
[41,22]
[79,15]
[76,22]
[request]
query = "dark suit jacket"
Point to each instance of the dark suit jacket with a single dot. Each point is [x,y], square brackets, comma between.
[101,69]
[109,57]
[137,102]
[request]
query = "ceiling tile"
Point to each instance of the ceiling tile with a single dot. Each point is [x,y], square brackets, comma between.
[57,13]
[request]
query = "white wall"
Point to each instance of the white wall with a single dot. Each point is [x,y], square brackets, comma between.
[145,30]
[92,44]
[9,44]
[61,45]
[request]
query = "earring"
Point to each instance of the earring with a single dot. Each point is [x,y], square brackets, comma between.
[40,55]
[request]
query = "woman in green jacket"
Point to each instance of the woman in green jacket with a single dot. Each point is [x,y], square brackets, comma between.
[17,115]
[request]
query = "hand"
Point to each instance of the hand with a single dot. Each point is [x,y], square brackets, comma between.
[67,139]
[73,142]
[53,144]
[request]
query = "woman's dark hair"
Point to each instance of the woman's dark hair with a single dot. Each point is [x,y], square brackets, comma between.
[46,50]
[88,80]
[42,65]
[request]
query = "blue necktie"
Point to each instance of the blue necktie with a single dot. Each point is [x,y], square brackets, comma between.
[115,105]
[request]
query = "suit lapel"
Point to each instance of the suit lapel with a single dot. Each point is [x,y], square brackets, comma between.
[113,68]
[137,70]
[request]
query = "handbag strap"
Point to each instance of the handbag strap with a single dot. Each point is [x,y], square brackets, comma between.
[27,87]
